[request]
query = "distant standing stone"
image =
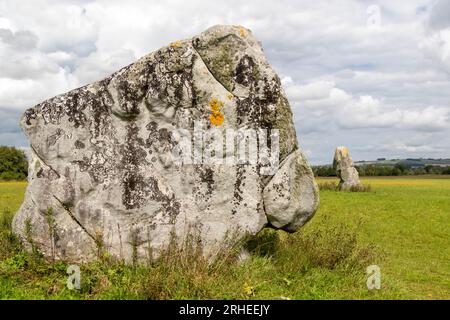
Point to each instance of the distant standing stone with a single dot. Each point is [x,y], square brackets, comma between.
[345,169]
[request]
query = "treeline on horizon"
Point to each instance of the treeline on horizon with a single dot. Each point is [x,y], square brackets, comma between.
[13,164]
[379,170]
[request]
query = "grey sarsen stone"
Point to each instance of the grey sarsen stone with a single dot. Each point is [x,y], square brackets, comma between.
[101,155]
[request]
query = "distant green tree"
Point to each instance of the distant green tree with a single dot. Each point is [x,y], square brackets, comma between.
[13,164]
[370,170]
[429,169]
[324,171]
[401,167]
[419,171]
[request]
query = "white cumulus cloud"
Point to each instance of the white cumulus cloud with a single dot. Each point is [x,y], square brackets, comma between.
[348,83]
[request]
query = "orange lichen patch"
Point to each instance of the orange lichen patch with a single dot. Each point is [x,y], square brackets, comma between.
[242,32]
[215,105]
[217,118]
[176,44]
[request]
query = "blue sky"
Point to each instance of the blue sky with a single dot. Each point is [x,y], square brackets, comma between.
[371,75]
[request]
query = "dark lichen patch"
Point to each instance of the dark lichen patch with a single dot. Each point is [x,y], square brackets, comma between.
[248,113]
[97,170]
[134,190]
[52,139]
[100,108]
[171,207]
[138,190]
[100,164]
[207,177]
[246,72]
[170,79]
[153,134]
[132,158]
[266,107]
[71,105]
[130,92]
[75,104]
[280,188]
[159,140]
[51,110]
[259,108]
[237,192]
[126,116]
[204,183]
[30,114]
[47,174]
[130,85]
[165,135]
[79,144]
[40,173]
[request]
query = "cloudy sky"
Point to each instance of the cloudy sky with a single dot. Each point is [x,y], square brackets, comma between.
[371,75]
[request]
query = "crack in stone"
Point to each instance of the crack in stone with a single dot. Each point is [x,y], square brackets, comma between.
[280,165]
[44,162]
[74,218]
[266,183]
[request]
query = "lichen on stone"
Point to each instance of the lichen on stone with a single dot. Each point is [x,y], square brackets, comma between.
[102,156]
[216,117]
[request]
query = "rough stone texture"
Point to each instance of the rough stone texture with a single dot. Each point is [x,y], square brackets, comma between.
[345,169]
[101,156]
[290,195]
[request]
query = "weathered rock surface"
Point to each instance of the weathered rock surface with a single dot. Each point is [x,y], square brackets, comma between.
[102,155]
[345,169]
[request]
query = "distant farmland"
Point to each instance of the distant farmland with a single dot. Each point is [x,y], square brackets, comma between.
[410,162]
[392,167]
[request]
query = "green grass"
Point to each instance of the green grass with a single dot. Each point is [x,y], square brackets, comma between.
[402,225]
[11,195]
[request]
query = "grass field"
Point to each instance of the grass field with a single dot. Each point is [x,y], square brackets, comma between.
[402,225]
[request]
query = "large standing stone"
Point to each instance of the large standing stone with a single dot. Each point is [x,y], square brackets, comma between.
[102,156]
[345,169]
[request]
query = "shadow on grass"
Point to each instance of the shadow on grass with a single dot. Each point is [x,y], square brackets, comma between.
[329,245]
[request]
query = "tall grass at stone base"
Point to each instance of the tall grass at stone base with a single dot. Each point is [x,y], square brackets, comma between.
[182,272]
